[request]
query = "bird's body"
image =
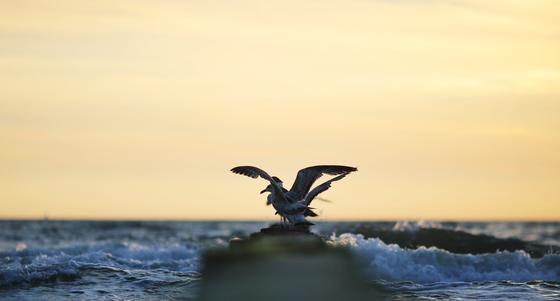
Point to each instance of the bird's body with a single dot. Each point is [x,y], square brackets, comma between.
[293,205]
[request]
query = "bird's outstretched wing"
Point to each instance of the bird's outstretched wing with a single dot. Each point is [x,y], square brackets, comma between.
[320,188]
[255,172]
[307,176]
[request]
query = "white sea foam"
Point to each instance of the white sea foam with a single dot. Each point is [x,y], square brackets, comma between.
[426,265]
[413,226]
[44,264]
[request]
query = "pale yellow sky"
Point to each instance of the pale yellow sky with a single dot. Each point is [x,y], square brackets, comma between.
[138,109]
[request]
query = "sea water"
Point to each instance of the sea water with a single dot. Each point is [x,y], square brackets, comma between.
[143,260]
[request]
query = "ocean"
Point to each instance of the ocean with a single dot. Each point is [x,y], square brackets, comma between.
[153,260]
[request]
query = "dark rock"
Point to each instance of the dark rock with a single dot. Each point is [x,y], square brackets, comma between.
[454,241]
[290,235]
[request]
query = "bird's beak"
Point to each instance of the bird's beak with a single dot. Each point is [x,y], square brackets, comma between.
[263,191]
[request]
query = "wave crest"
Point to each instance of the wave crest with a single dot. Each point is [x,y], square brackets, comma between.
[35,265]
[426,265]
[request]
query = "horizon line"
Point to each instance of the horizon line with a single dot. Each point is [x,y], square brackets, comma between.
[124,219]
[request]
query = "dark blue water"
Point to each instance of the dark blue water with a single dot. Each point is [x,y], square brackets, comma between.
[83,260]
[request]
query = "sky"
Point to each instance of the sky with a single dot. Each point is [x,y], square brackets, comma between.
[138,109]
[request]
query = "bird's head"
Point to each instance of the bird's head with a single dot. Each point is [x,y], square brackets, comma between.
[269,188]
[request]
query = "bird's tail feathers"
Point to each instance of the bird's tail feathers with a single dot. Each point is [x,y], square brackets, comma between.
[309,212]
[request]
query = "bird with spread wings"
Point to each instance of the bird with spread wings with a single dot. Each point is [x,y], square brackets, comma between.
[293,205]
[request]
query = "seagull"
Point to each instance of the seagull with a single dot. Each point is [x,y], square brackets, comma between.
[293,205]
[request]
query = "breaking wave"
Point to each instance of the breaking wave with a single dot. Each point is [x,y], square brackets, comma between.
[427,265]
[36,265]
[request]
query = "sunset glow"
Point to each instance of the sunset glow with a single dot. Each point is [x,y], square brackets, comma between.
[138,109]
